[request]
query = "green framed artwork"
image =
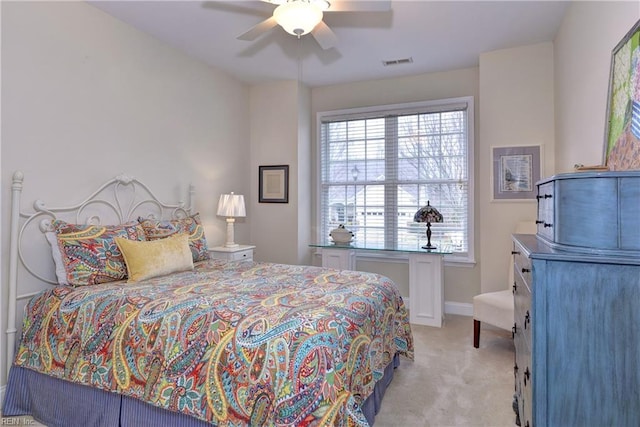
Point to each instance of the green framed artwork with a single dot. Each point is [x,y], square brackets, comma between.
[622,131]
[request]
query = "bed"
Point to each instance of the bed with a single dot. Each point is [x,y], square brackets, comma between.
[140,328]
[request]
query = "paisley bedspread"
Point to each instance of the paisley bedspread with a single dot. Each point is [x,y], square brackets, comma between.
[230,343]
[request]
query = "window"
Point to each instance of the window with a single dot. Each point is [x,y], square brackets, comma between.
[378,166]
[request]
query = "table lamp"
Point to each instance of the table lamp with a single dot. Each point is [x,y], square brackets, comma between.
[428,214]
[231,206]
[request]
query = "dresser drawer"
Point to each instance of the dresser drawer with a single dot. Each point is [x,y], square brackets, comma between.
[595,213]
[523,352]
[524,374]
[519,409]
[521,265]
[524,396]
[522,365]
[242,252]
[522,312]
[545,221]
[237,256]
[526,416]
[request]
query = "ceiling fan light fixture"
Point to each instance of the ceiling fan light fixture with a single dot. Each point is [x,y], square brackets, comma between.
[298,17]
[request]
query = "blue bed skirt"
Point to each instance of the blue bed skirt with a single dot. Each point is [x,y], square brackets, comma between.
[58,403]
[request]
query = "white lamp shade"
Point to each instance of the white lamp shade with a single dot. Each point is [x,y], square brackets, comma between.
[298,17]
[231,205]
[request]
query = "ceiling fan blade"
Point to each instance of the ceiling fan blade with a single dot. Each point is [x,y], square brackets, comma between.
[360,6]
[258,30]
[324,36]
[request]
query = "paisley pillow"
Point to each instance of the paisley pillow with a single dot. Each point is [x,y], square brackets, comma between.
[159,229]
[89,252]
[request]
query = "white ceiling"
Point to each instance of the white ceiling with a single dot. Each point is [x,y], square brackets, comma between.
[438,35]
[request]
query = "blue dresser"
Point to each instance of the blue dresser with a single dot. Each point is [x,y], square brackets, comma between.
[591,212]
[577,304]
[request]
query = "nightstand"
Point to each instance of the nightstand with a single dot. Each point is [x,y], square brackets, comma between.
[237,253]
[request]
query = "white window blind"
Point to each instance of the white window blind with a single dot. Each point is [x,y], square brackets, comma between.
[379,166]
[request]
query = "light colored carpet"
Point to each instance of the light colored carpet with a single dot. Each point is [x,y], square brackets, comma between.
[449,383]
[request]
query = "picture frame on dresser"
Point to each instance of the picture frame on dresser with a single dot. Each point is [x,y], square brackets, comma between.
[273,184]
[515,171]
[622,130]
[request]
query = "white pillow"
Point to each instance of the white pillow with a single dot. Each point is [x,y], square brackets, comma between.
[61,274]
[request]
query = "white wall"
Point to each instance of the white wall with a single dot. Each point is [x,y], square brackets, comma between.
[461,283]
[280,136]
[304,179]
[583,46]
[516,109]
[86,97]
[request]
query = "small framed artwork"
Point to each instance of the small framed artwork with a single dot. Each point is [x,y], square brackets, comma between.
[515,172]
[273,184]
[622,130]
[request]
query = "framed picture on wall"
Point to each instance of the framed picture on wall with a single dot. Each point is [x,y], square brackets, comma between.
[622,130]
[273,185]
[515,172]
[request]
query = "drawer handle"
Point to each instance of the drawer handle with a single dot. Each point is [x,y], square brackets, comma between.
[539,197]
[526,270]
[547,225]
[548,196]
[514,287]
[527,319]
[539,222]
[515,369]
[513,332]
[515,252]
[527,375]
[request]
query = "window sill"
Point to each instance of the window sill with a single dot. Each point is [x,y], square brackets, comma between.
[403,257]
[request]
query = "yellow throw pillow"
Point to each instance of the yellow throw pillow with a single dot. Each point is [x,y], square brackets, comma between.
[154,258]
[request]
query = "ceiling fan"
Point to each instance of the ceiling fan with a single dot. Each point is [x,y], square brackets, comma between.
[300,17]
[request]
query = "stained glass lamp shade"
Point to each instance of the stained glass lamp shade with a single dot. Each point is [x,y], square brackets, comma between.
[428,214]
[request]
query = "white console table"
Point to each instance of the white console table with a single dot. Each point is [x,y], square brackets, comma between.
[426,283]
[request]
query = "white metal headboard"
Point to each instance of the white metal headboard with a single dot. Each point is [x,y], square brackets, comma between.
[117,201]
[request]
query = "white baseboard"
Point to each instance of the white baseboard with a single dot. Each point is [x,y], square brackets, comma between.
[451,307]
[459,308]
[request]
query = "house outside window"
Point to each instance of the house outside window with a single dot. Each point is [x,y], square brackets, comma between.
[379,165]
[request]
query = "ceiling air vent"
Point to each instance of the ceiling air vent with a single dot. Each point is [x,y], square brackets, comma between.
[398,61]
